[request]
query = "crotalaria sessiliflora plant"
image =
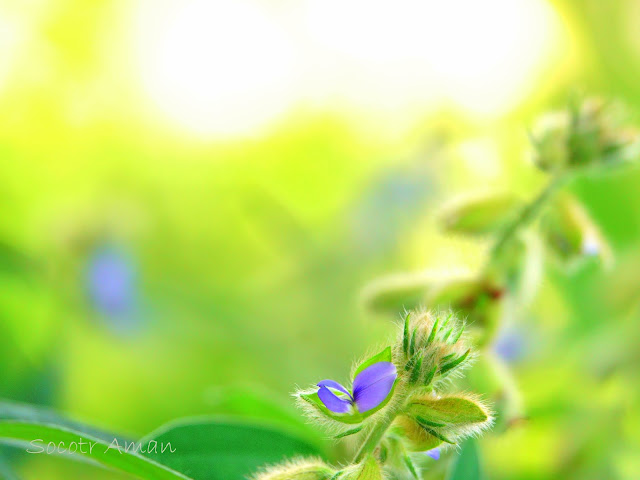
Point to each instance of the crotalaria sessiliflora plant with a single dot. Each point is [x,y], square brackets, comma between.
[397,407]
[588,138]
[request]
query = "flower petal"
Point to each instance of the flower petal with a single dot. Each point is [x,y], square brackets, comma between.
[372,385]
[434,453]
[332,401]
[335,386]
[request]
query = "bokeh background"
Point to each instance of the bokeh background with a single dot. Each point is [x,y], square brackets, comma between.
[194,193]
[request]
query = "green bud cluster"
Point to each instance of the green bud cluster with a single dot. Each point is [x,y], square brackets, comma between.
[591,133]
[431,348]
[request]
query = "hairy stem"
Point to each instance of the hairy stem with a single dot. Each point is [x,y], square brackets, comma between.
[377,432]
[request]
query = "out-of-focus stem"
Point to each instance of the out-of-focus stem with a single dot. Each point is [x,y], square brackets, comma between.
[528,214]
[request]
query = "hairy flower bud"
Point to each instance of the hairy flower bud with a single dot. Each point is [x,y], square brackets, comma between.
[432,420]
[591,133]
[305,469]
[431,347]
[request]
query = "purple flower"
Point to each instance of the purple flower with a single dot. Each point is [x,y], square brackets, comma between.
[370,388]
[434,453]
[511,345]
[111,280]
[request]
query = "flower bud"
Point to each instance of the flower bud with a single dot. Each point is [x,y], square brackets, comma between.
[432,420]
[590,134]
[479,213]
[306,469]
[551,140]
[368,469]
[431,347]
[571,233]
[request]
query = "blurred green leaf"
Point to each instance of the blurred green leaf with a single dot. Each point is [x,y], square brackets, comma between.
[14,411]
[114,458]
[211,449]
[249,404]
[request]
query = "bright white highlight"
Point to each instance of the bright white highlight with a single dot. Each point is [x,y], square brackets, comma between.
[216,67]
[234,67]
[483,55]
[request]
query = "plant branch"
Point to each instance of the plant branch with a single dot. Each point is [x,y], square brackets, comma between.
[526,216]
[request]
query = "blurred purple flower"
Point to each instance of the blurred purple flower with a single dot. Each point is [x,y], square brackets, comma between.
[111,281]
[434,453]
[510,345]
[370,388]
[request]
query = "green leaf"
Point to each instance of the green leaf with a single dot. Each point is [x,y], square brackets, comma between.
[6,472]
[211,449]
[434,331]
[383,356]
[455,363]
[412,342]
[255,405]
[430,374]
[35,414]
[432,432]
[113,458]
[348,433]
[405,334]
[457,411]
[411,467]
[417,370]
[467,465]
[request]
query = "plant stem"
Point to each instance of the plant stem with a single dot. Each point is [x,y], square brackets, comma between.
[528,214]
[378,431]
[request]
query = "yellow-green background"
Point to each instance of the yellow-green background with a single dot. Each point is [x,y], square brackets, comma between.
[252,248]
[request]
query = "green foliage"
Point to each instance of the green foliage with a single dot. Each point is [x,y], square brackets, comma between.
[14,411]
[219,450]
[114,458]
